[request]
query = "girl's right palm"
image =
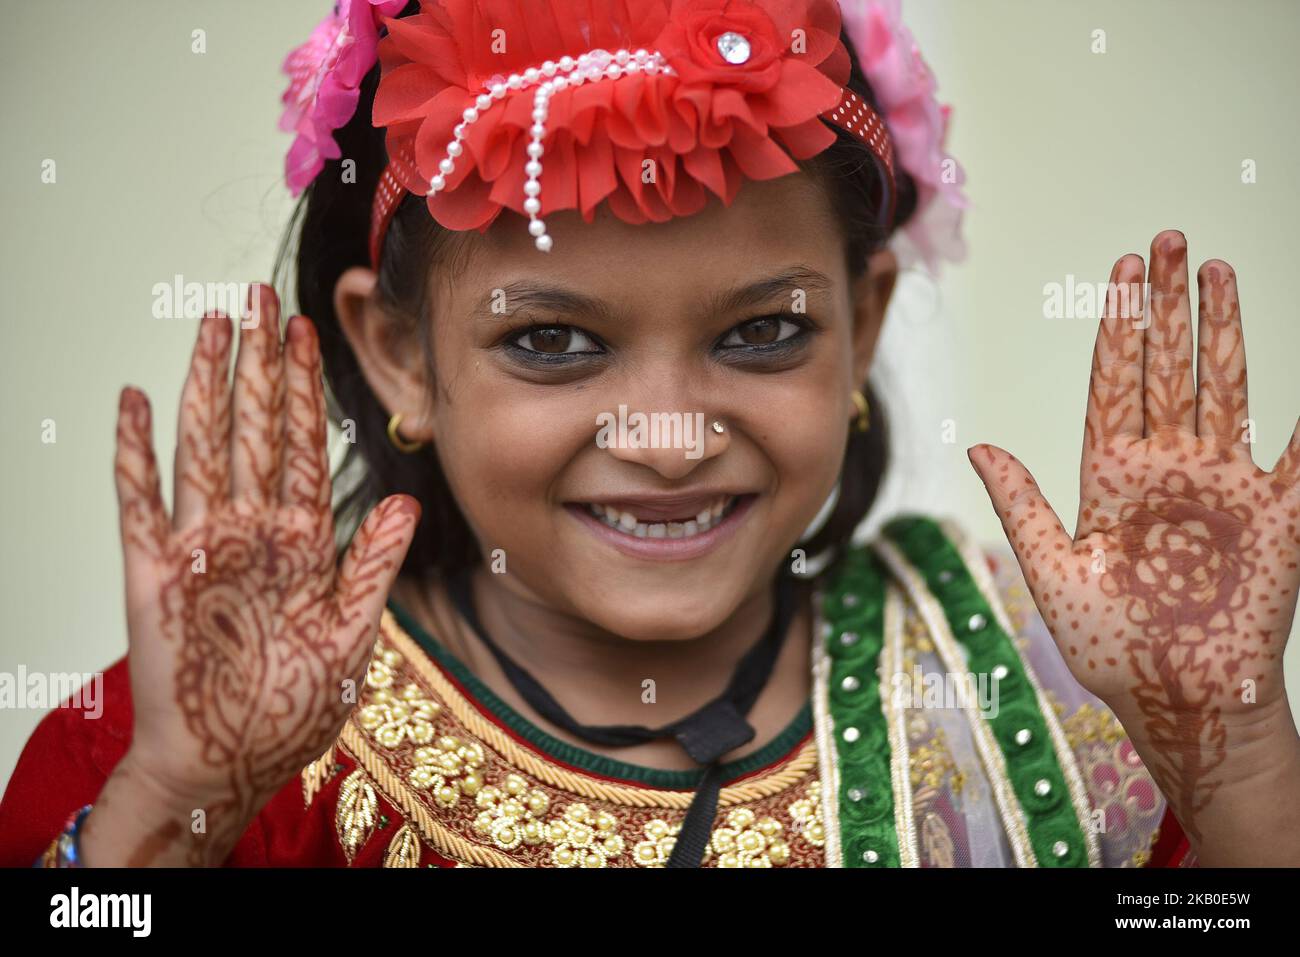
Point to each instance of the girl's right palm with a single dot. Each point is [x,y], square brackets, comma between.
[247,640]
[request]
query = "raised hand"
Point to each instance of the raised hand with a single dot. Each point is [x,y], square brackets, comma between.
[1173,599]
[243,631]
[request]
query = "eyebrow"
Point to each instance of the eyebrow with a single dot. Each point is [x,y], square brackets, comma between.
[527,293]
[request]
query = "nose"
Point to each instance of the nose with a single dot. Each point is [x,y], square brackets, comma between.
[673,444]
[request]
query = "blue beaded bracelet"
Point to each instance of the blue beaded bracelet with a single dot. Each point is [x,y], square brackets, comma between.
[67,849]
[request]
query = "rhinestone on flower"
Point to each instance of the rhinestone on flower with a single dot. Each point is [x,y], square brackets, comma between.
[850,683]
[1060,849]
[1042,787]
[1023,736]
[733,47]
[977,622]
[870,857]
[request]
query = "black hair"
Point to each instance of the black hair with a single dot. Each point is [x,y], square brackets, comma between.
[331,225]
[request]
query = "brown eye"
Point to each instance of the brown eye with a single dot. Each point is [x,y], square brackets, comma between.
[549,340]
[554,340]
[763,331]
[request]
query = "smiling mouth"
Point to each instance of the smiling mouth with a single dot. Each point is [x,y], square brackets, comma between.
[686,526]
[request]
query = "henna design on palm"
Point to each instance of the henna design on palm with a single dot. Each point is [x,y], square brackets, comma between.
[1173,599]
[243,628]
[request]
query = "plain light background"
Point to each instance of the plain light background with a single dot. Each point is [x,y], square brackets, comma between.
[169,162]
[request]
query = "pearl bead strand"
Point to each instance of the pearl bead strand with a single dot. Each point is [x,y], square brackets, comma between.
[587,68]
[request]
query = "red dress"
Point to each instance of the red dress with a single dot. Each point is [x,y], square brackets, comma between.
[432,769]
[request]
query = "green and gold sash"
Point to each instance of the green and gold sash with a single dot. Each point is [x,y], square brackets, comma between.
[862,738]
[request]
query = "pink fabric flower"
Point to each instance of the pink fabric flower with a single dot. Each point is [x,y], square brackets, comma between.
[904,88]
[325,77]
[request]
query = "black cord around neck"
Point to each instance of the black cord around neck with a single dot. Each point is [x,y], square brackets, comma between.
[707,733]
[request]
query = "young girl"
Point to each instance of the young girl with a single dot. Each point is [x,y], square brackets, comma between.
[556,642]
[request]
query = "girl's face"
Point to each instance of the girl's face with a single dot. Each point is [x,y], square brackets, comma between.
[743,315]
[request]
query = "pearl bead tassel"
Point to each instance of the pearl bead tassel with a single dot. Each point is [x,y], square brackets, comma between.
[587,68]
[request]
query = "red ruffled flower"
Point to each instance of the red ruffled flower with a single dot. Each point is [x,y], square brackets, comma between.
[708,125]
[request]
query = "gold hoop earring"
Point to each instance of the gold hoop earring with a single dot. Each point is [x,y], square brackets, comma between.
[863,422]
[400,443]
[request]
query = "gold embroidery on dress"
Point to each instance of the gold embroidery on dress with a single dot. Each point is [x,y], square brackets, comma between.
[807,815]
[480,798]
[933,765]
[1118,781]
[392,719]
[1089,724]
[449,768]
[515,814]
[403,849]
[316,774]
[355,813]
[940,850]
[745,840]
[657,847]
[749,841]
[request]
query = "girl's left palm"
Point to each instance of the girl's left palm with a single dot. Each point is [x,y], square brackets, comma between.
[1173,600]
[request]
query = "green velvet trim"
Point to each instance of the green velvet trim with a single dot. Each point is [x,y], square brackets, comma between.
[578,757]
[1049,818]
[853,608]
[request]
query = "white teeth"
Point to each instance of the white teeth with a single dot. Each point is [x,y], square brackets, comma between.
[626,522]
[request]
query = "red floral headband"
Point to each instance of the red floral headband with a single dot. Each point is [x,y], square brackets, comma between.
[477,96]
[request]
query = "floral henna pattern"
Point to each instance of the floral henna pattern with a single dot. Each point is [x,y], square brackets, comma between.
[244,628]
[1183,553]
[1173,600]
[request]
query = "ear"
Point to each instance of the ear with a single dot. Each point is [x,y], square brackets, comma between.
[387,352]
[871,292]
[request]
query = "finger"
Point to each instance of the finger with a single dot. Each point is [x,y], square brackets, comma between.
[1115,388]
[1286,473]
[1169,402]
[1043,547]
[202,462]
[306,479]
[369,569]
[1221,406]
[141,512]
[258,401]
